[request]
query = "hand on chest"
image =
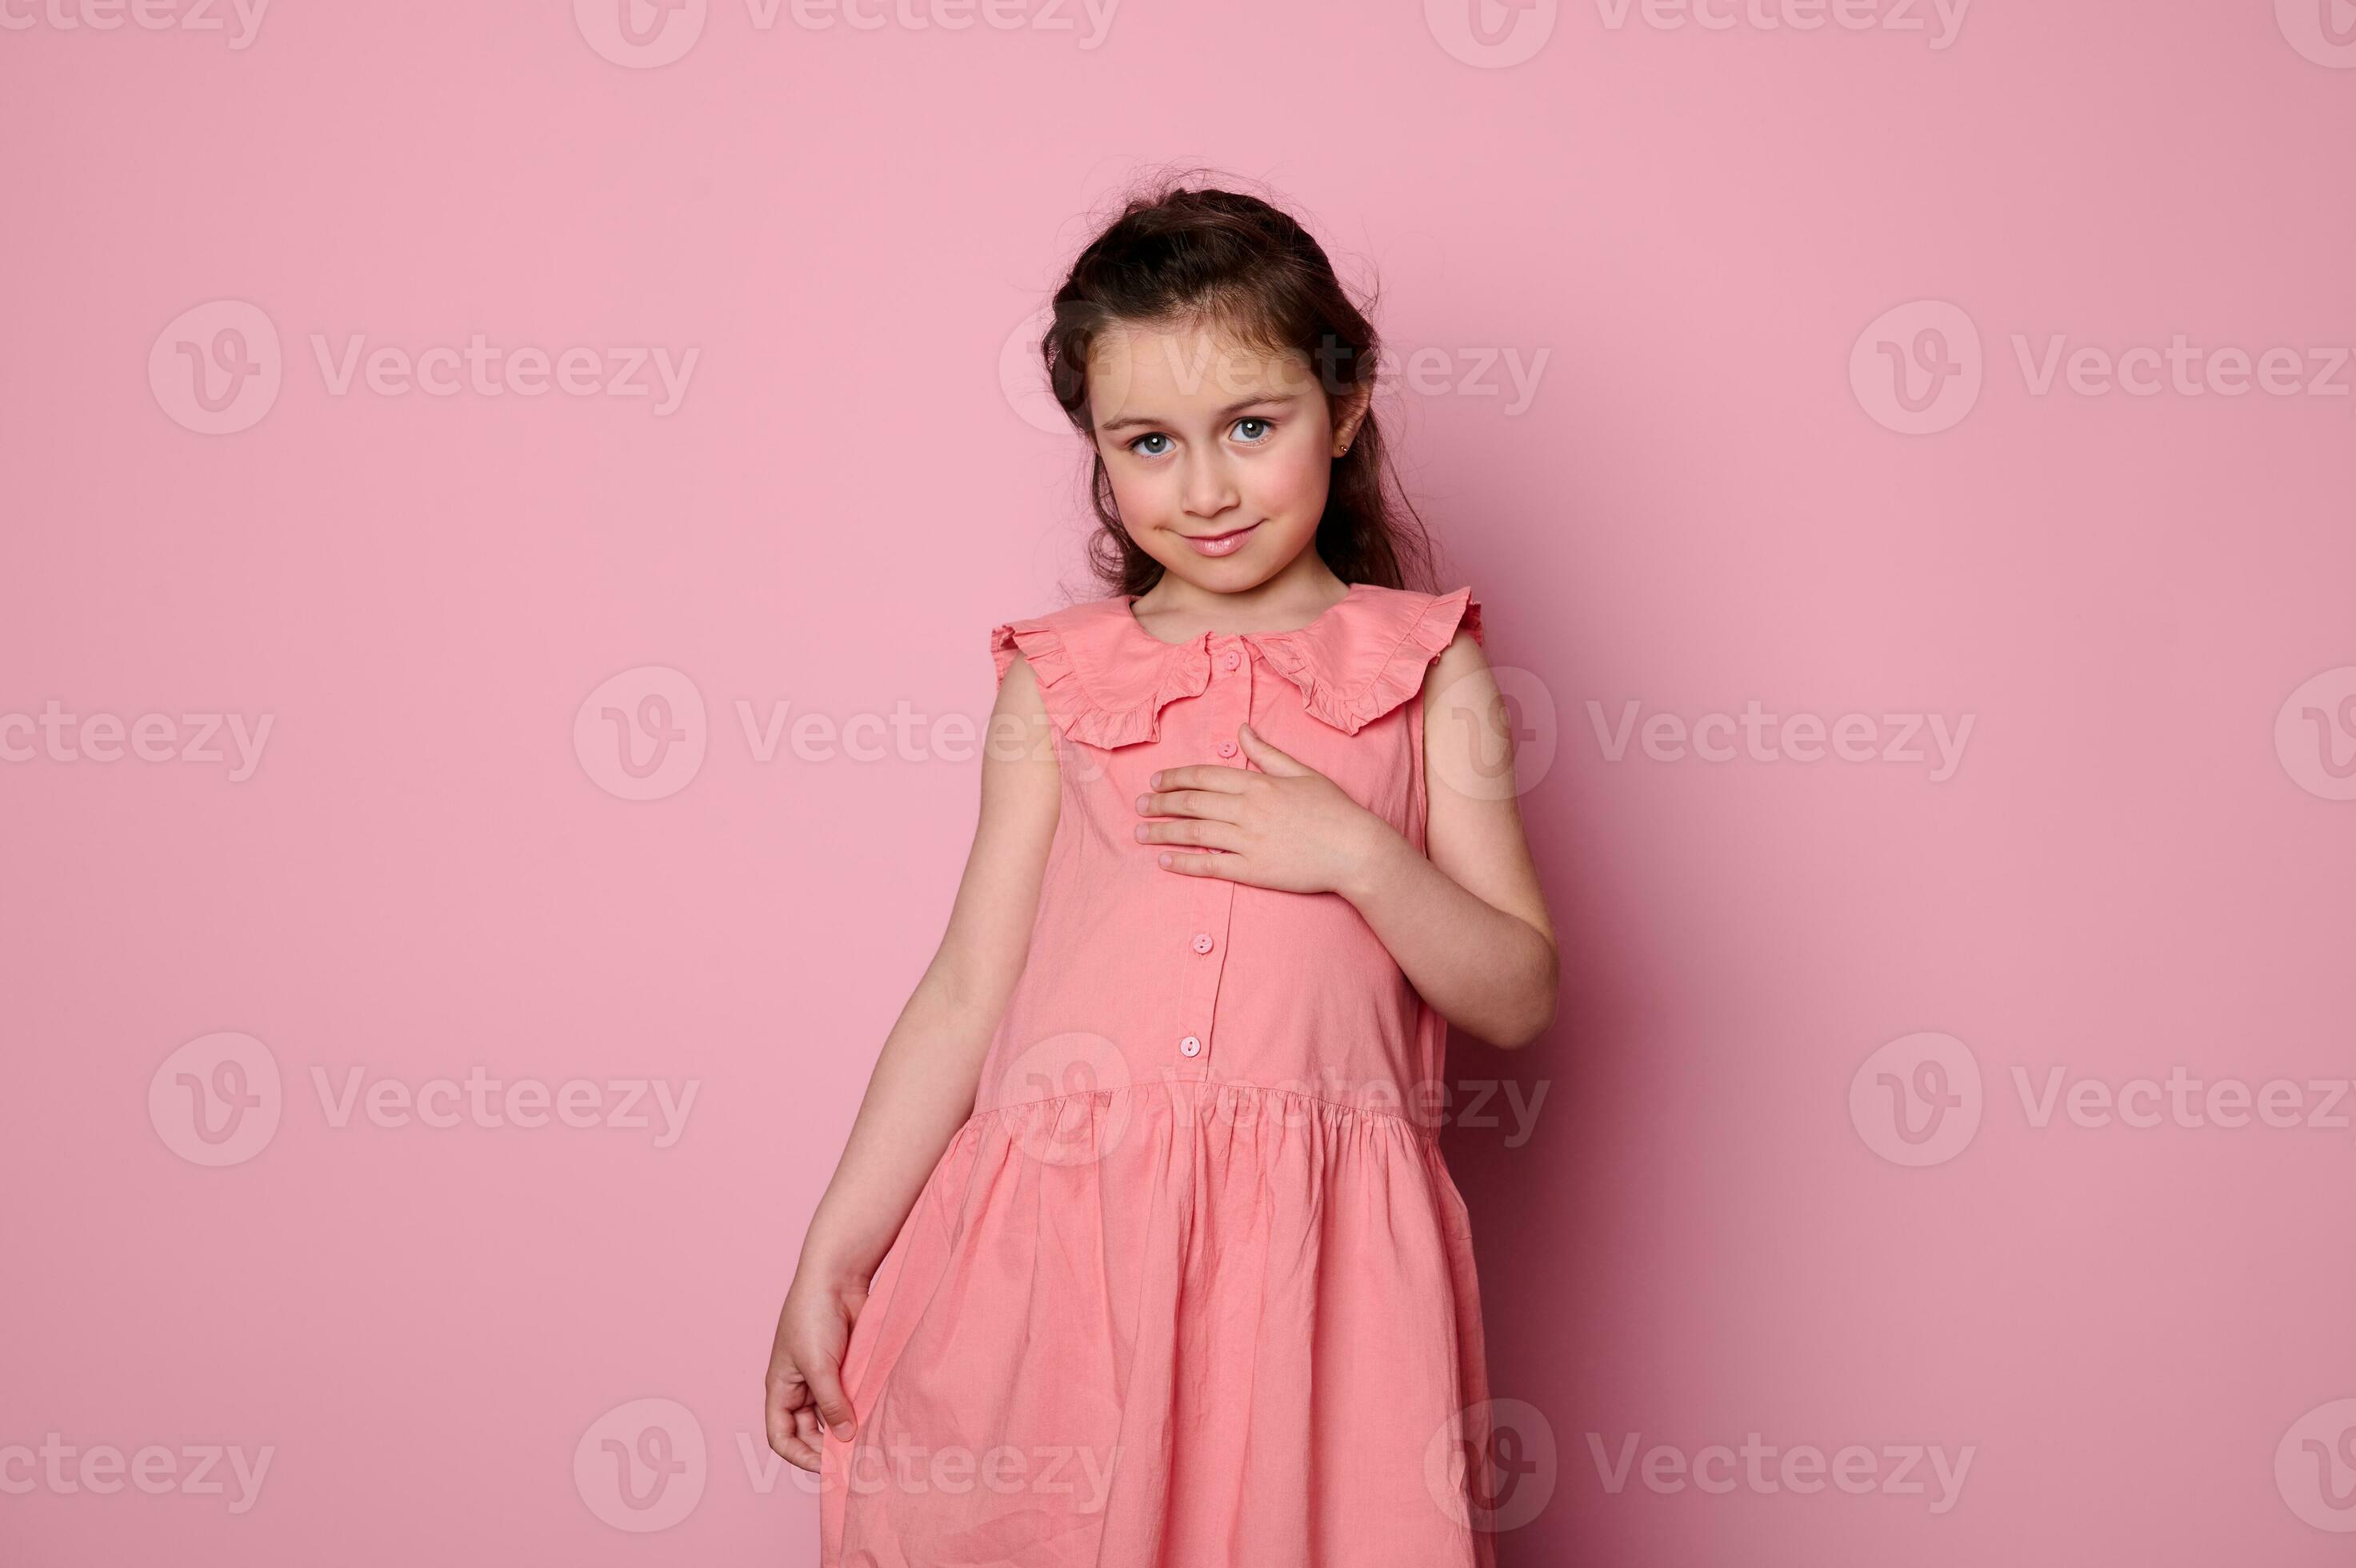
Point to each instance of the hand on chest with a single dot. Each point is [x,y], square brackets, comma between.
[1337,695]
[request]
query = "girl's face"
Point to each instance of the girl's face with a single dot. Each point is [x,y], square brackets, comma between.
[1220,454]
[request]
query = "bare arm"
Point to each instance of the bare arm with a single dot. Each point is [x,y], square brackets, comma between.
[922,1087]
[1468,925]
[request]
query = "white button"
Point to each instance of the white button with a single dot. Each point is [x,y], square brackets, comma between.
[1191,1045]
[1202,941]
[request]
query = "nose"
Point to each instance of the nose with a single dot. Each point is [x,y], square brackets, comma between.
[1210,488]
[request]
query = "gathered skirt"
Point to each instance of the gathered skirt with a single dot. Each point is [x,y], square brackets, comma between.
[1175,1324]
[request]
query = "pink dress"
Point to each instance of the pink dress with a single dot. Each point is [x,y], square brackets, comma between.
[1193,1287]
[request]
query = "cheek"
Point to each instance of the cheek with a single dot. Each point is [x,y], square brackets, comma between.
[1138,496]
[1293,485]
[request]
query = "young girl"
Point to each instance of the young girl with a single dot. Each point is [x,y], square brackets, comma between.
[1142,1252]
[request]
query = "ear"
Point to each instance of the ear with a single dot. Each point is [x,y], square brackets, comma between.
[1350,413]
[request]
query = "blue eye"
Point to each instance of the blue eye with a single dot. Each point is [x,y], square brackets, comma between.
[1266,428]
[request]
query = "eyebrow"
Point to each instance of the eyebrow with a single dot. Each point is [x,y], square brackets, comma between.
[1126,421]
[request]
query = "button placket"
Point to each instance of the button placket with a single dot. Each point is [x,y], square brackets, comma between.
[1207,913]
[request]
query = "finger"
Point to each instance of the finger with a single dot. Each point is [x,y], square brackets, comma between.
[798,1444]
[832,1408]
[1220,836]
[1211,803]
[1270,760]
[791,1424]
[1228,867]
[808,1441]
[1197,776]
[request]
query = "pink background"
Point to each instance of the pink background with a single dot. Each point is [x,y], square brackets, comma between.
[2133,868]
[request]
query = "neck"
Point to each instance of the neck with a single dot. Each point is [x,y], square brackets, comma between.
[1177,610]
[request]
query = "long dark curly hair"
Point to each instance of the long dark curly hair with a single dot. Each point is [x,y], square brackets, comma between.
[1176,257]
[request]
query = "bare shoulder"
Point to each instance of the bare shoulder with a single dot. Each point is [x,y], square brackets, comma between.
[1019,687]
[1460,696]
[1021,737]
[1461,657]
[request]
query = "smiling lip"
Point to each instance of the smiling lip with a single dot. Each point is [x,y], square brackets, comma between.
[1219,544]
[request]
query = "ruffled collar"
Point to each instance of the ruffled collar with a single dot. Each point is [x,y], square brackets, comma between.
[1105,678]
